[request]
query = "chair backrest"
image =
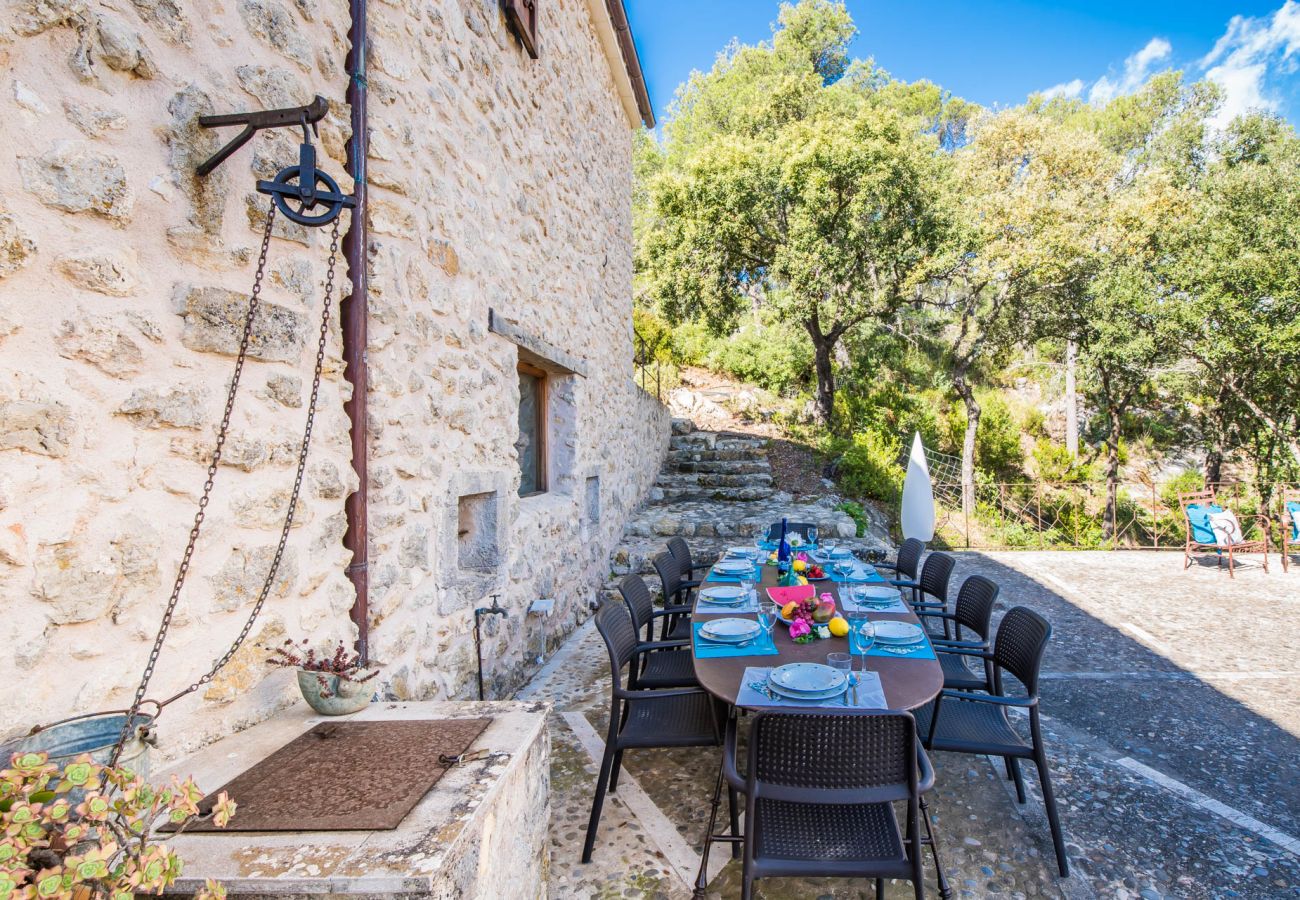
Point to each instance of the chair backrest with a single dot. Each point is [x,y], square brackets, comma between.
[935,575]
[1022,637]
[1291,513]
[909,558]
[1197,506]
[975,601]
[681,552]
[640,604]
[833,756]
[615,626]
[669,572]
[799,528]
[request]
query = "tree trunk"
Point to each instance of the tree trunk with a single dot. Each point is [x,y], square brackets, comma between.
[1292,444]
[1213,466]
[823,352]
[1109,523]
[967,395]
[1071,400]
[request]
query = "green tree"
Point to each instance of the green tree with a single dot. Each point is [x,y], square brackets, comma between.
[1033,193]
[784,184]
[1234,275]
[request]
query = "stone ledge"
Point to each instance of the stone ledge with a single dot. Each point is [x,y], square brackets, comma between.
[480,832]
[536,351]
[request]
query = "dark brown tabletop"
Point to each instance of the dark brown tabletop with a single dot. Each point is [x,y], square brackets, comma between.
[907,683]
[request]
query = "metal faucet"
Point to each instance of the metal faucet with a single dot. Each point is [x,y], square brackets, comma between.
[496,609]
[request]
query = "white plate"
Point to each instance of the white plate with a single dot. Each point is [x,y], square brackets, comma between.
[806,679]
[820,695]
[740,553]
[892,632]
[841,553]
[730,631]
[734,567]
[725,595]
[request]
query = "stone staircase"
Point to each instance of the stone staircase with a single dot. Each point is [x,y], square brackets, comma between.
[716,490]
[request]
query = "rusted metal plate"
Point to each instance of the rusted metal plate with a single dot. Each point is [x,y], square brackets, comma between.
[345,776]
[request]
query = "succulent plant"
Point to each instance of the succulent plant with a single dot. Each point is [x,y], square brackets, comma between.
[104,845]
[337,662]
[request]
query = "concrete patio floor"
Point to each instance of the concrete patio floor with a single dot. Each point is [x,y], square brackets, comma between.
[1171,713]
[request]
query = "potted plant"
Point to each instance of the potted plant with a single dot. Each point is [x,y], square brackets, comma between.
[332,682]
[88,831]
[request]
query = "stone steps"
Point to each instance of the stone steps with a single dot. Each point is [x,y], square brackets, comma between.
[716,490]
[721,466]
[715,479]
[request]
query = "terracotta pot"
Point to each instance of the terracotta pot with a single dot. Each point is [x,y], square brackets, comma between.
[347,696]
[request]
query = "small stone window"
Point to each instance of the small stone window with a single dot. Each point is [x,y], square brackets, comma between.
[533,423]
[476,532]
[593,500]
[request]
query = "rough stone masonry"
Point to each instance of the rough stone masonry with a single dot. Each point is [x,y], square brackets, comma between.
[497,182]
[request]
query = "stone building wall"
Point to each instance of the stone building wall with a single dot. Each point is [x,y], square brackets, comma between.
[497,182]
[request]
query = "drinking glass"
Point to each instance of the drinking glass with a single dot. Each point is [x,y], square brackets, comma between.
[862,632]
[747,585]
[812,535]
[841,661]
[768,614]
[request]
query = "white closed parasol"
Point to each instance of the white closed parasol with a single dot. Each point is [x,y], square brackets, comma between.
[918,495]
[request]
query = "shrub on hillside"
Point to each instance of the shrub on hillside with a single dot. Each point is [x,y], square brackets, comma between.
[868,467]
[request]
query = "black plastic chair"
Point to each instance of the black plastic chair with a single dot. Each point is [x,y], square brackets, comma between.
[676,624]
[974,612]
[666,663]
[681,551]
[963,722]
[641,718]
[799,528]
[908,561]
[930,591]
[820,789]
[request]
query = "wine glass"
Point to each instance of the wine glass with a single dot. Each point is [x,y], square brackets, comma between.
[862,633]
[812,535]
[768,616]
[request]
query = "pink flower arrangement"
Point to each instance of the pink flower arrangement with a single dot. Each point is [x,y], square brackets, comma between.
[799,628]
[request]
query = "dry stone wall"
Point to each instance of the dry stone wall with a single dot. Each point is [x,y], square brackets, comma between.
[498,182]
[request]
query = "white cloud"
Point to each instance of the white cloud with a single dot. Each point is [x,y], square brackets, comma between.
[1246,55]
[1137,69]
[1068,89]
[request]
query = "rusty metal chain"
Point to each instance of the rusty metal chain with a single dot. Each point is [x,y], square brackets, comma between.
[222,432]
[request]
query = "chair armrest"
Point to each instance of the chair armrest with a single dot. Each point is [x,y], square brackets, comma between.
[677,610]
[925,773]
[919,605]
[900,583]
[653,694]
[651,646]
[946,644]
[977,652]
[729,770]
[701,566]
[1024,702]
[688,584]
[891,566]
[923,609]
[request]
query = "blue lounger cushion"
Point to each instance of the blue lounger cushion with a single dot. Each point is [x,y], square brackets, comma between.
[1199,518]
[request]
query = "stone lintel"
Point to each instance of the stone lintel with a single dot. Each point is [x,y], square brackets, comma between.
[534,350]
[481,831]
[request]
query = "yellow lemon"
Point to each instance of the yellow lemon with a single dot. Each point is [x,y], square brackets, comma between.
[839,627]
[803,580]
[800,565]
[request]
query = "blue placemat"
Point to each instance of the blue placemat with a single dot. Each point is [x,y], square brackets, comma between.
[704,607]
[922,650]
[753,693]
[865,574]
[847,605]
[760,646]
[719,578]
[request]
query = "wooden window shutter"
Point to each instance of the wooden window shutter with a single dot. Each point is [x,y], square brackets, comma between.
[521,15]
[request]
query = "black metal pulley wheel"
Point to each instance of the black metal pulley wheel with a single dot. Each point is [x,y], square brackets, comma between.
[313,204]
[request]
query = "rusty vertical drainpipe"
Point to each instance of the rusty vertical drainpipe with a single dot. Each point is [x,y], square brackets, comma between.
[356,537]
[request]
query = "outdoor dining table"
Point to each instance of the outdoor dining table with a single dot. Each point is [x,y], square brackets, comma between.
[907,683]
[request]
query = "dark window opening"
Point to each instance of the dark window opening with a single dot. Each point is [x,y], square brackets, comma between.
[531,445]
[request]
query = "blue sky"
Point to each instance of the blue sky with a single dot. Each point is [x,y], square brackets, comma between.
[996,52]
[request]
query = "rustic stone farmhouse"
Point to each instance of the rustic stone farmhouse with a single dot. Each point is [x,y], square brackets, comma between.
[478,432]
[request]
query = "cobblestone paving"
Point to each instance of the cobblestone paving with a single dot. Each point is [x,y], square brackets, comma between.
[1164,691]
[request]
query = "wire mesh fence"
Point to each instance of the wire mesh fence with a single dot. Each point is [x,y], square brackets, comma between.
[1032,515]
